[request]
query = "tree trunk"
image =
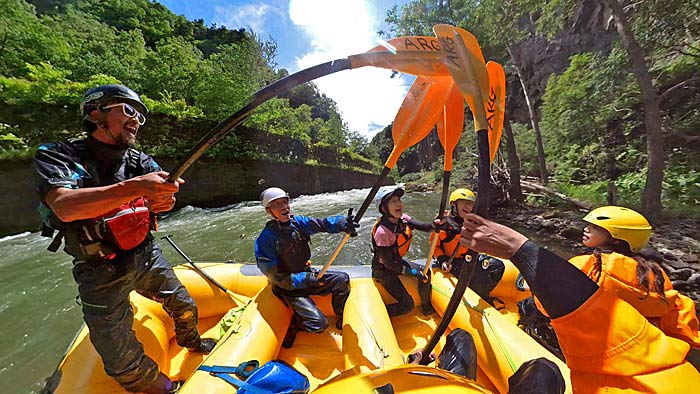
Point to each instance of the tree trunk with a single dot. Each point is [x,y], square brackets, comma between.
[533,120]
[651,197]
[610,168]
[516,191]
[530,186]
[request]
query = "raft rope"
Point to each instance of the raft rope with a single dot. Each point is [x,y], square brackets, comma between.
[485,313]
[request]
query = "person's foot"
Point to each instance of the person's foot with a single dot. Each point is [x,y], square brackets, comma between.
[428,310]
[289,338]
[205,346]
[176,386]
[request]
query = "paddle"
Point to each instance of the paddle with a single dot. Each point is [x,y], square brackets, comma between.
[413,122]
[462,56]
[238,298]
[449,130]
[496,105]
[417,62]
[495,110]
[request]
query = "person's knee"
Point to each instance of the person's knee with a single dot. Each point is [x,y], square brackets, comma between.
[135,375]
[317,323]
[341,282]
[537,376]
[459,354]
[309,317]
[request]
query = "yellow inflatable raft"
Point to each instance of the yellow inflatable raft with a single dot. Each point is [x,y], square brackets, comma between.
[368,353]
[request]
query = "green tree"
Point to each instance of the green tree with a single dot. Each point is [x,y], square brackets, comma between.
[24,39]
[172,69]
[97,48]
[230,77]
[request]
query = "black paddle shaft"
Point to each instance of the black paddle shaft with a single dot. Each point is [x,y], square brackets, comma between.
[274,89]
[372,193]
[196,268]
[445,190]
[465,275]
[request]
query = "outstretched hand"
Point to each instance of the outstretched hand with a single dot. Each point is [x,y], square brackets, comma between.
[349,225]
[489,237]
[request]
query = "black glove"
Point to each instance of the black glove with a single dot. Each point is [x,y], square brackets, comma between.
[437,227]
[348,224]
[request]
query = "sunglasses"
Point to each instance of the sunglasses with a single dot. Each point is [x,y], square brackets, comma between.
[129,111]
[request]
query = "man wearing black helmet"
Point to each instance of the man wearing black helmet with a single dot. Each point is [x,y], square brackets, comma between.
[101,195]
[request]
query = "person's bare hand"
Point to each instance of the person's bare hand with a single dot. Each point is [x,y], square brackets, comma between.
[162,206]
[416,356]
[158,191]
[446,267]
[488,237]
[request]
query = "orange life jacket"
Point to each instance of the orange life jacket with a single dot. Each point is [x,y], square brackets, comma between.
[611,348]
[447,243]
[404,234]
[675,316]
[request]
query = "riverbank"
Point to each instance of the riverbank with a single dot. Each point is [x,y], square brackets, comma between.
[676,238]
[208,184]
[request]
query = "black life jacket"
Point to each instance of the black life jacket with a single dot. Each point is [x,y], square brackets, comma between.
[291,245]
[79,243]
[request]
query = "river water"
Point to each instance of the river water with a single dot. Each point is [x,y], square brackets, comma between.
[38,312]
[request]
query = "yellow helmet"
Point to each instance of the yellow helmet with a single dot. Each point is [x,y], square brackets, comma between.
[622,223]
[462,194]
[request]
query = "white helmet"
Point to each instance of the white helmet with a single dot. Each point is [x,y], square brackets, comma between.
[270,194]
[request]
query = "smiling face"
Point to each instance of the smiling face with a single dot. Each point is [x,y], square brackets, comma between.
[115,127]
[463,207]
[395,207]
[280,209]
[595,236]
[122,127]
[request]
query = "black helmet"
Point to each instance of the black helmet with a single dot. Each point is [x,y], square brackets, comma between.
[99,96]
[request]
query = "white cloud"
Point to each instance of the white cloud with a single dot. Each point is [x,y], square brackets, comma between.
[255,16]
[366,97]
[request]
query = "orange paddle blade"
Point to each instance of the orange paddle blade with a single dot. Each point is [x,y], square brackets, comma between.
[450,126]
[413,62]
[418,113]
[410,43]
[462,56]
[496,105]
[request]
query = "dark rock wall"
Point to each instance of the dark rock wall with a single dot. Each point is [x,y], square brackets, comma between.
[207,185]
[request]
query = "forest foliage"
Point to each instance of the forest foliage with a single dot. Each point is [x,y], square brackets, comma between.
[52,51]
[591,111]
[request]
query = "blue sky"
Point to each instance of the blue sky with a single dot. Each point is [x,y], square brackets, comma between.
[309,32]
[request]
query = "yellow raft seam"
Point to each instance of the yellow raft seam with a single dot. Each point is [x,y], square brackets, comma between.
[499,340]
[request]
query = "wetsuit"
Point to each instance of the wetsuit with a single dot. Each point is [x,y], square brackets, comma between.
[390,242]
[488,271]
[282,253]
[104,285]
